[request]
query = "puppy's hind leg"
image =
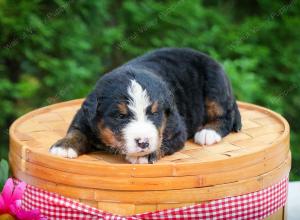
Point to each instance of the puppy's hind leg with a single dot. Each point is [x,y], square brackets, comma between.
[221,112]
[219,123]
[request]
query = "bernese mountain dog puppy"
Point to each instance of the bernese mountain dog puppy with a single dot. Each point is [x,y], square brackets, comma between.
[148,107]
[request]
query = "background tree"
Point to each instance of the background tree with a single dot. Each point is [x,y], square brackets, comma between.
[55,50]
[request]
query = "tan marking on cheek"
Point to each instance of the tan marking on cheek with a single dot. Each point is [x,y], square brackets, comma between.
[163,126]
[213,109]
[154,107]
[161,130]
[123,108]
[108,137]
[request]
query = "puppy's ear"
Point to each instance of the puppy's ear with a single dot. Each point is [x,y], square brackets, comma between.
[169,104]
[91,106]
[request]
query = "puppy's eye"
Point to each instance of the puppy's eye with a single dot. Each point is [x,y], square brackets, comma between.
[122,116]
[154,113]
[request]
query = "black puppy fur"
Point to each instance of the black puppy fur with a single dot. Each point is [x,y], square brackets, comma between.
[191,92]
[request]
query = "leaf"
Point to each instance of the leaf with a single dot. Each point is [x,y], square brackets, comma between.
[4,168]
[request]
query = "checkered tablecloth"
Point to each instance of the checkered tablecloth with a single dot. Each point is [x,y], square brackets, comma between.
[255,205]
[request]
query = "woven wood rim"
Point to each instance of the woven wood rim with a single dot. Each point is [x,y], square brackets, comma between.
[261,147]
[181,196]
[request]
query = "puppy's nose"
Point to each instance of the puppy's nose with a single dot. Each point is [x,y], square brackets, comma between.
[142,143]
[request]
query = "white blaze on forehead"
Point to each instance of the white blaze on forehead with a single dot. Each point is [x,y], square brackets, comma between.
[139,100]
[140,127]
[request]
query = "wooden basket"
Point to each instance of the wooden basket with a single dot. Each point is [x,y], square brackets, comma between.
[244,162]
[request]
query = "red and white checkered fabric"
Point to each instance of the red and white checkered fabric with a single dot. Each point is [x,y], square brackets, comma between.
[256,205]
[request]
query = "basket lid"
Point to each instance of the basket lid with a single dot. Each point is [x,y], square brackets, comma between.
[262,145]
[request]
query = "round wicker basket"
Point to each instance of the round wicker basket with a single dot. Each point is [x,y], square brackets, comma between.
[244,162]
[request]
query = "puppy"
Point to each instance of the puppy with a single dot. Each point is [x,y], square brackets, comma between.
[150,106]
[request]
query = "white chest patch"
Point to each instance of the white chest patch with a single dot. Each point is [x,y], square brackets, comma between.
[140,129]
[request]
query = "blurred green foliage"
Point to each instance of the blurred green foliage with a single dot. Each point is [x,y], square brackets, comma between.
[55,50]
[4,171]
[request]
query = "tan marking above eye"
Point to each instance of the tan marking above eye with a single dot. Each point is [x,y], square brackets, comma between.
[154,107]
[123,108]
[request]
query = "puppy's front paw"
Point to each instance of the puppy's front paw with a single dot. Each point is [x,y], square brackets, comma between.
[153,157]
[137,160]
[64,148]
[207,137]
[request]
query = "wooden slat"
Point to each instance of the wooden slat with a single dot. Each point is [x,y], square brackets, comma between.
[145,208]
[238,159]
[117,208]
[164,206]
[158,183]
[91,203]
[167,196]
[278,215]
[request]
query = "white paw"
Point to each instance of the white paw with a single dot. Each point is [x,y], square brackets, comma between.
[63,152]
[137,160]
[207,137]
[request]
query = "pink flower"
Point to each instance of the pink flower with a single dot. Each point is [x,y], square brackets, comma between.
[10,203]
